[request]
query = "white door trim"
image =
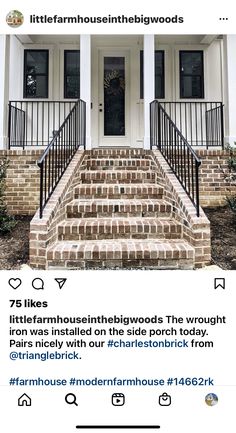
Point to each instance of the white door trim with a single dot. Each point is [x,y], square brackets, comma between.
[148,83]
[85,82]
[113,140]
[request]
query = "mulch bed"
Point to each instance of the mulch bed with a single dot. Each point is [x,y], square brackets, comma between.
[14,247]
[223,236]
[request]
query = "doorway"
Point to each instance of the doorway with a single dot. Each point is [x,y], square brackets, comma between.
[113,101]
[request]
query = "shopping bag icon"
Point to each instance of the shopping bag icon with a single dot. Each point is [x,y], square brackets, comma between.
[164,399]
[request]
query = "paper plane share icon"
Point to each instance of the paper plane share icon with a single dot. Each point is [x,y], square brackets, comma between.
[60,282]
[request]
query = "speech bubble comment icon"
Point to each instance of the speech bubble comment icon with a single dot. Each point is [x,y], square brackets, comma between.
[14,283]
[38,284]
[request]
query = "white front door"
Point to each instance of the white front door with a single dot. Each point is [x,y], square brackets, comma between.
[113,109]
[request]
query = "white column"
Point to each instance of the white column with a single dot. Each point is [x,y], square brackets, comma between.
[4,87]
[85,82]
[148,83]
[229,45]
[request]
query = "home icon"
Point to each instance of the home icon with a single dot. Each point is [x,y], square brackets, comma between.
[24,400]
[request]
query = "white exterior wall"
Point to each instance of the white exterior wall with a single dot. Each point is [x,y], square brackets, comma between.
[213,63]
[215,74]
[213,88]
[16,69]
[230,88]
[4,87]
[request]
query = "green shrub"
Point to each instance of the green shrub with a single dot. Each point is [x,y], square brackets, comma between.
[7,222]
[232,163]
[230,177]
[232,203]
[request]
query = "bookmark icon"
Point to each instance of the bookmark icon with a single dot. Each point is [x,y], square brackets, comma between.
[219,283]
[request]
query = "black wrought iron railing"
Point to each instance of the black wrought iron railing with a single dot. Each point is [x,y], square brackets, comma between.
[60,151]
[16,126]
[201,123]
[33,123]
[176,150]
[215,126]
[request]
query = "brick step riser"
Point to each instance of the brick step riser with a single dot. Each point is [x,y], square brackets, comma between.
[118,152]
[117,181]
[121,264]
[116,157]
[118,196]
[142,191]
[124,253]
[118,176]
[120,235]
[120,164]
[120,214]
[116,167]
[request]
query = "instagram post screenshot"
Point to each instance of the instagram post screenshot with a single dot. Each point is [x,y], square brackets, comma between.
[117,217]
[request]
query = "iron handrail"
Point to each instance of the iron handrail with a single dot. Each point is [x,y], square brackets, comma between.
[60,151]
[176,150]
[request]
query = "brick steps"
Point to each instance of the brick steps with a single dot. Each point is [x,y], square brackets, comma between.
[102,190]
[168,254]
[81,208]
[118,228]
[118,217]
[121,176]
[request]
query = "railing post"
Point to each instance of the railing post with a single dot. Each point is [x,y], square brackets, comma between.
[159,125]
[84,105]
[151,125]
[222,124]
[41,191]
[197,165]
[23,133]
[207,128]
[9,126]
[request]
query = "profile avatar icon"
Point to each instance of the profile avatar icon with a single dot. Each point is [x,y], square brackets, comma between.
[211,399]
[14,18]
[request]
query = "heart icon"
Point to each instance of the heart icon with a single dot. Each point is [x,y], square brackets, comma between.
[15,282]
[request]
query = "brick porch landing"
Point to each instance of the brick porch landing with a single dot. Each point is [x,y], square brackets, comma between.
[119,208]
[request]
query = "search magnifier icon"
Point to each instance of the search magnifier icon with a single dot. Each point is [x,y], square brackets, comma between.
[71,399]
